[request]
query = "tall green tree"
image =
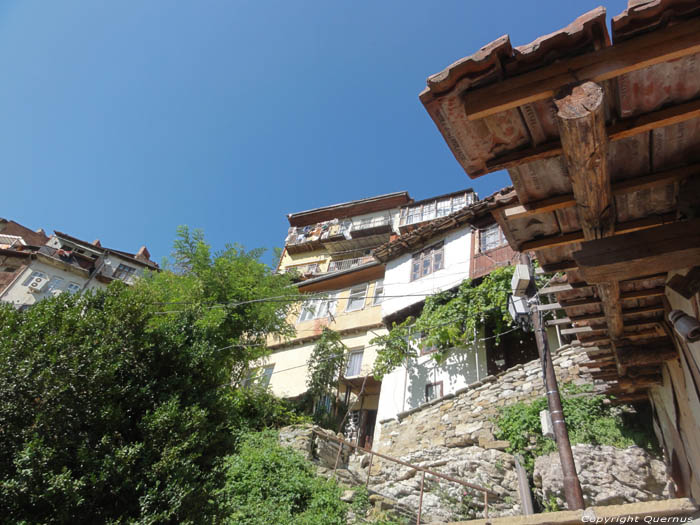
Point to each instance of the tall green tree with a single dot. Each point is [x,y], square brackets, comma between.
[118,406]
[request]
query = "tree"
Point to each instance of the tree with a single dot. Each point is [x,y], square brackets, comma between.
[326,366]
[117,406]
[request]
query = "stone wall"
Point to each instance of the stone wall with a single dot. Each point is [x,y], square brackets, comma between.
[608,476]
[466,418]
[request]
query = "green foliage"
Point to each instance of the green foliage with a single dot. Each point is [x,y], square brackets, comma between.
[589,419]
[449,319]
[360,502]
[113,412]
[326,366]
[266,483]
[226,293]
[551,505]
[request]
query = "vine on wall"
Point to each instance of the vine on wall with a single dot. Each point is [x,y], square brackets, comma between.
[449,319]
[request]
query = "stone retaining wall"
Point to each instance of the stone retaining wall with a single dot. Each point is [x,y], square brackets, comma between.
[466,418]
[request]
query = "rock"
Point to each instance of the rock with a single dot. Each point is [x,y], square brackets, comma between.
[496,444]
[348,496]
[608,476]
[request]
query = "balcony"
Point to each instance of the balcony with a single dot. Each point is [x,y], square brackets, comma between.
[340,234]
[347,264]
[413,216]
[303,271]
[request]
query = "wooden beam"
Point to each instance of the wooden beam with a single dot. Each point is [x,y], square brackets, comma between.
[581,121]
[622,129]
[555,322]
[668,247]
[578,236]
[653,180]
[655,47]
[647,292]
[546,307]
[560,266]
[579,329]
[636,356]
[584,301]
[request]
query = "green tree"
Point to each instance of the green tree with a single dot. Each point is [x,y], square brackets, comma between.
[326,366]
[118,406]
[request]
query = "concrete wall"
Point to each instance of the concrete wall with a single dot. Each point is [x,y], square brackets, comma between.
[290,373]
[404,388]
[397,278]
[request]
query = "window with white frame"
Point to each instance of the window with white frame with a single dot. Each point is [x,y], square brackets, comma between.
[354,363]
[356,300]
[378,292]
[491,238]
[318,308]
[124,272]
[73,288]
[34,275]
[433,391]
[427,261]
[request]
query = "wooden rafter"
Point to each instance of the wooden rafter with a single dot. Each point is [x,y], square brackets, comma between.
[653,180]
[666,44]
[664,248]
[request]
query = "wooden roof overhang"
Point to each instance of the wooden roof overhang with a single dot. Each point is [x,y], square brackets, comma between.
[601,140]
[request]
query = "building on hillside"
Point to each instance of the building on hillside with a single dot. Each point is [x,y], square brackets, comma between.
[375,261]
[34,266]
[435,257]
[329,251]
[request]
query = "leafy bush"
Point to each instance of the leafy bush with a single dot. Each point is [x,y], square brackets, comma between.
[589,419]
[112,412]
[266,483]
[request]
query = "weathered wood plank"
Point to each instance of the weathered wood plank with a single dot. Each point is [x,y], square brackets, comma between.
[655,47]
[631,185]
[668,247]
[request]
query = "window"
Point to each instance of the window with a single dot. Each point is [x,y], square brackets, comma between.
[55,285]
[429,211]
[354,363]
[318,308]
[491,237]
[433,391]
[356,300]
[34,275]
[324,404]
[444,208]
[428,261]
[123,272]
[73,288]
[266,375]
[378,292]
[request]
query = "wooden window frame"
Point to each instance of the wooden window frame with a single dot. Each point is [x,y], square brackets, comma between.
[501,238]
[427,255]
[350,297]
[435,384]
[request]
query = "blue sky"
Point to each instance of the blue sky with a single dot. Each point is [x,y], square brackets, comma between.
[122,120]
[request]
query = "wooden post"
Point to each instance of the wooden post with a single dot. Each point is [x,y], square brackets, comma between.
[420,501]
[369,470]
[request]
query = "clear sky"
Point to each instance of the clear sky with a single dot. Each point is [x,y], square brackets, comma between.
[120,120]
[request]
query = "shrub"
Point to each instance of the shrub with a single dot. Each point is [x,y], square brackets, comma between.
[589,419]
[266,483]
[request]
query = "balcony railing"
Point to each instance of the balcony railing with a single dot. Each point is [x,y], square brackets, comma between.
[347,264]
[434,209]
[304,269]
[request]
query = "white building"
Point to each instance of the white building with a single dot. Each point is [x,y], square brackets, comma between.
[65,264]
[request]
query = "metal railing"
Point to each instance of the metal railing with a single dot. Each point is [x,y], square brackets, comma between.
[424,471]
[304,269]
[346,264]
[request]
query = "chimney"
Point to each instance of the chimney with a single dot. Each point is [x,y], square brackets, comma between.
[143,252]
[96,242]
[41,231]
